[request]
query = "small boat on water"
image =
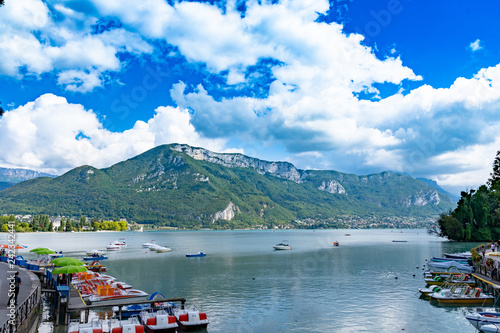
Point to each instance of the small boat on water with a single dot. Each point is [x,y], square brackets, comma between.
[466,296]
[113,247]
[95,257]
[130,325]
[448,265]
[120,242]
[94,326]
[191,318]
[148,245]
[466,261]
[398,241]
[158,321]
[95,251]
[161,249]
[490,328]
[462,255]
[451,278]
[282,246]
[110,295]
[479,319]
[199,254]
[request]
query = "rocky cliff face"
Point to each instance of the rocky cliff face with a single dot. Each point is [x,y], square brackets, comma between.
[227,214]
[20,175]
[279,169]
[336,183]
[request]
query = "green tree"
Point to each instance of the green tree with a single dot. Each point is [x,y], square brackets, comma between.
[494,181]
[1,4]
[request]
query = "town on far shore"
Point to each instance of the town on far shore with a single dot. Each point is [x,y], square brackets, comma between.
[45,223]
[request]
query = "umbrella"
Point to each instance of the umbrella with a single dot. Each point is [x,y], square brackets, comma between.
[66,261]
[69,270]
[38,249]
[45,251]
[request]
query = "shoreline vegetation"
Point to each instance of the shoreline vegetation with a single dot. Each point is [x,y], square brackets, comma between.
[44,223]
[477,215]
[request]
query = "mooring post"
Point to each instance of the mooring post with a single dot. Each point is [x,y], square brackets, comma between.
[58,310]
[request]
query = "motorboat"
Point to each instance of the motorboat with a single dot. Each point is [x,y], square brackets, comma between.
[161,249]
[158,321]
[466,296]
[95,251]
[95,257]
[335,243]
[120,242]
[466,261]
[191,318]
[282,246]
[154,247]
[148,245]
[110,295]
[479,319]
[490,328]
[113,247]
[94,326]
[462,255]
[130,325]
[199,254]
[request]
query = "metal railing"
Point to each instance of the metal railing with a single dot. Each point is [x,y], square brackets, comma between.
[22,312]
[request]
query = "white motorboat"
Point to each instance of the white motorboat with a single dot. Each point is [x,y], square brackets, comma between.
[158,322]
[282,246]
[191,318]
[113,247]
[95,251]
[479,319]
[148,245]
[154,247]
[490,328]
[120,242]
[161,249]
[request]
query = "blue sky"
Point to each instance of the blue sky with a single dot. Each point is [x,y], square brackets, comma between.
[355,86]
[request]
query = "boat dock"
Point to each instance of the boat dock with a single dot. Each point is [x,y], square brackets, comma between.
[75,303]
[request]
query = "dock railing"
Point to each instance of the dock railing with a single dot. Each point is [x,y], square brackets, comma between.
[17,316]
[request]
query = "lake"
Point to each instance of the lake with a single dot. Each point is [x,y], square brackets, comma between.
[367,284]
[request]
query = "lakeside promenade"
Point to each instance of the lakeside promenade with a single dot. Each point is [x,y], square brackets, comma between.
[28,300]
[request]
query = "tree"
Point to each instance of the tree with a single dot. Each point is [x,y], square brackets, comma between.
[494,181]
[1,4]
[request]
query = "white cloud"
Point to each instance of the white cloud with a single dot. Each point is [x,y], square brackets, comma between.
[52,135]
[32,43]
[475,46]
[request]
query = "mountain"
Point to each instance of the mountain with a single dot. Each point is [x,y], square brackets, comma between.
[9,177]
[434,184]
[183,186]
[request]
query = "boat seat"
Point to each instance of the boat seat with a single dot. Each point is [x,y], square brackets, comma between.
[132,328]
[151,321]
[164,320]
[86,330]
